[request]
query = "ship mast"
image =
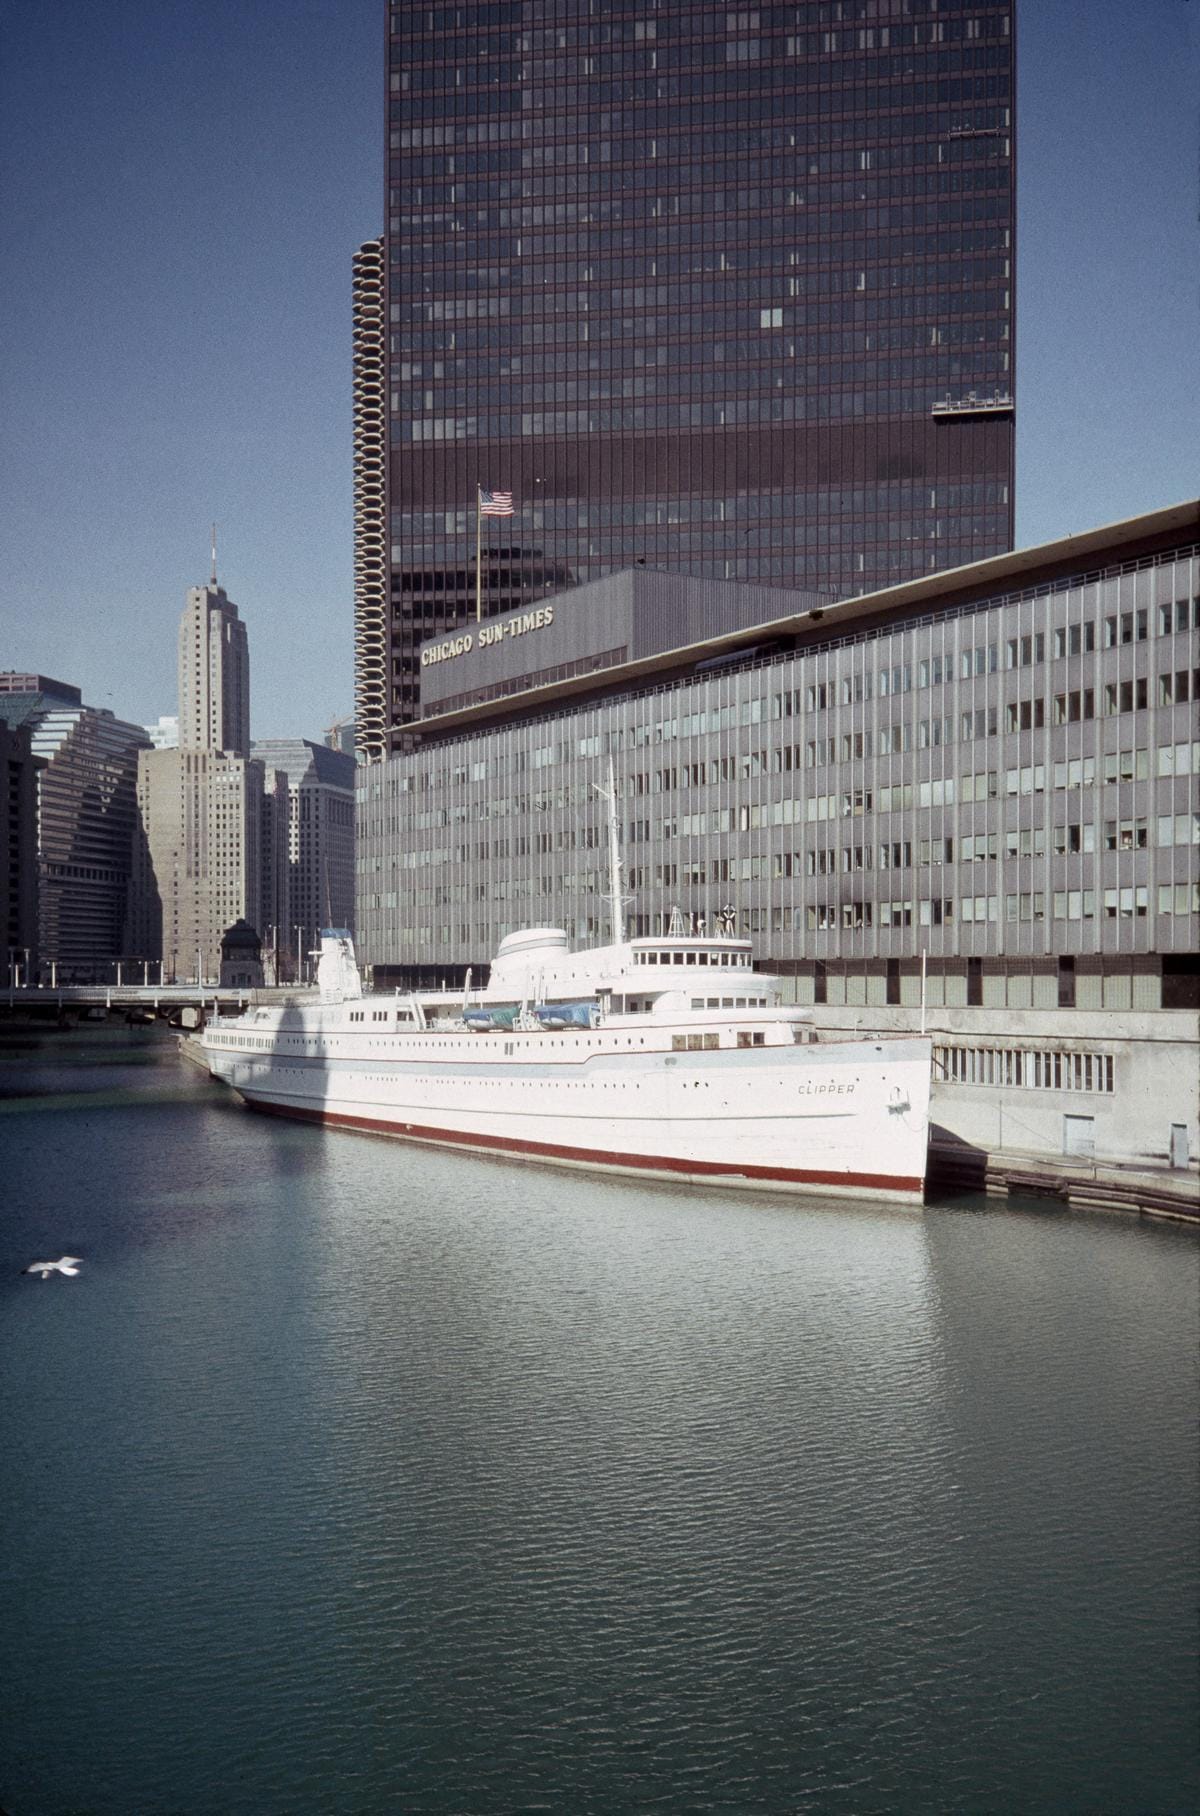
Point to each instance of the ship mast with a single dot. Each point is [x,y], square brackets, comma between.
[615,895]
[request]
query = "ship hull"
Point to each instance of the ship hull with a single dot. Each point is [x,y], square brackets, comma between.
[849,1119]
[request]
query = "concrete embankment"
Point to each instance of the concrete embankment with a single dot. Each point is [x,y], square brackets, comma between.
[1170,1193]
[191,1050]
[1095,1110]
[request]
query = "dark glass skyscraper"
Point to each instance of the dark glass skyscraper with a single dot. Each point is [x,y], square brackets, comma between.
[727,290]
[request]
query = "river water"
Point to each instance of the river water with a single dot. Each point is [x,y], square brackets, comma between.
[354,1477]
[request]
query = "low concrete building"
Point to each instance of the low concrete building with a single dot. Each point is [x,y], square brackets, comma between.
[1014,1088]
[241,957]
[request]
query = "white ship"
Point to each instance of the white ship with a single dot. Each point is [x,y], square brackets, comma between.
[659,1056]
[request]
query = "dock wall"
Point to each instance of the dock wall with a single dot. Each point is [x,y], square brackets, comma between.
[1092,1107]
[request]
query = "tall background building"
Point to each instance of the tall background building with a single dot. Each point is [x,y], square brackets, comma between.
[310,884]
[214,674]
[18,874]
[198,861]
[87,762]
[727,292]
[372,694]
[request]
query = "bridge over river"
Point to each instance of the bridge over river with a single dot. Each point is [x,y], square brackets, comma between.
[175,1003]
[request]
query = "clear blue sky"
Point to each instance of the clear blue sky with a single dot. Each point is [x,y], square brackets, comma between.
[184,186]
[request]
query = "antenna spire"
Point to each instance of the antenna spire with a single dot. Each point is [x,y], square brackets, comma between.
[213,580]
[615,895]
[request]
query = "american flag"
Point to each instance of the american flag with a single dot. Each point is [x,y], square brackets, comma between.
[495,504]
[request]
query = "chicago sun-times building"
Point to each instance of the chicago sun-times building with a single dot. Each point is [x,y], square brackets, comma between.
[980,788]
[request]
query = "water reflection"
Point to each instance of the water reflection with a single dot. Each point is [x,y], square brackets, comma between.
[402,1480]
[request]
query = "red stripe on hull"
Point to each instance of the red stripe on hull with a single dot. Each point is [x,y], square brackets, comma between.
[896,1184]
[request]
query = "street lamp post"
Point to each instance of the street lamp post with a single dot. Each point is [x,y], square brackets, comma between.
[299,960]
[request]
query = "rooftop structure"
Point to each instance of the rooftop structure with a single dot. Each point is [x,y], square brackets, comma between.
[164,733]
[12,682]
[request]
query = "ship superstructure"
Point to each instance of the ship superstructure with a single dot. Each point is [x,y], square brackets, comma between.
[668,1056]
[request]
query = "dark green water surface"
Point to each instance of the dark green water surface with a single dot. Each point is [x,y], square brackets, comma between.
[357,1478]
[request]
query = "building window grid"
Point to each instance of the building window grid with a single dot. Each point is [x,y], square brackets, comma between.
[963,609]
[535,131]
[626,724]
[1000,1066]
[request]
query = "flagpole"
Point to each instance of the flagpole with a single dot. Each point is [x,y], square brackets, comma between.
[478,555]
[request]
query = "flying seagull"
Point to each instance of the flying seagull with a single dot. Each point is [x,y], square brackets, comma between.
[69,1265]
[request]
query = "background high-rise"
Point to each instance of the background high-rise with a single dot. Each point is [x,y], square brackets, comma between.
[214,674]
[86,761]
[692,282]
[199,863]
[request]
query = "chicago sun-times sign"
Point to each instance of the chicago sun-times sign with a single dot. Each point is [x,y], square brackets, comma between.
[487,636]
